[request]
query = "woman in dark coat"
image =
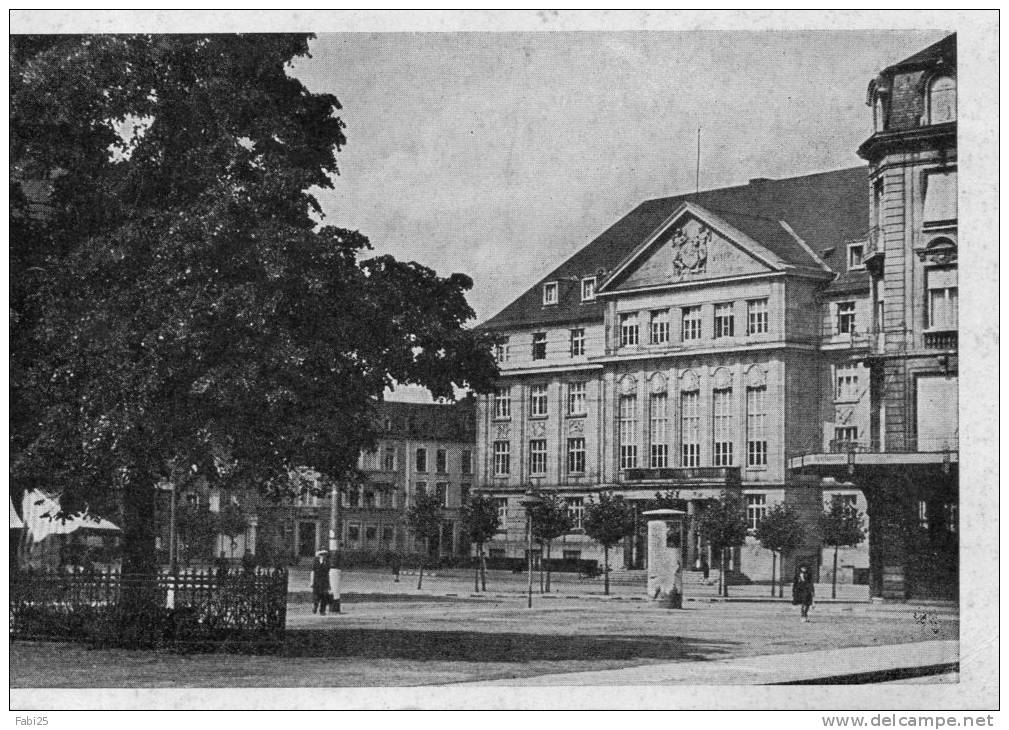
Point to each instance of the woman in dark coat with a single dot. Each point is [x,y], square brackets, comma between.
[320,582]
[802,592]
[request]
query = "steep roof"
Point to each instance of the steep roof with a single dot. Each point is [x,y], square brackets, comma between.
[942,51]
[428,421]
[825,210]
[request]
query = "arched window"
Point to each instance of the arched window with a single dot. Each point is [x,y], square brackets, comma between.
[878,113]
[942,100]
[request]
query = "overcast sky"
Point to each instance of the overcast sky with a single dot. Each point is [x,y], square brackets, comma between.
[501,154]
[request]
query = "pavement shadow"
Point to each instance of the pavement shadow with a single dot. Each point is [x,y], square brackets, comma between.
[497,647]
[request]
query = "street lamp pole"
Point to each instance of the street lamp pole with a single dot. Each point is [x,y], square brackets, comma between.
[173,561]
[334,546]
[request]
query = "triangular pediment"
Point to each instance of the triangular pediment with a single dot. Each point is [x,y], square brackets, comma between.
[693,245]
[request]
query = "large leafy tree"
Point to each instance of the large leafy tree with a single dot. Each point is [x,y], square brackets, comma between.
[607,521]
[550,520]
[480,520]
[840,525]
[173,299]
[781,532]
[723,525]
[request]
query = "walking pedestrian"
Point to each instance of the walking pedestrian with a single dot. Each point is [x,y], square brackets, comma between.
[321,590]
[802,592]
[396,562]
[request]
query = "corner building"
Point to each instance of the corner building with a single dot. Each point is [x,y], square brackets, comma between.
[740,339]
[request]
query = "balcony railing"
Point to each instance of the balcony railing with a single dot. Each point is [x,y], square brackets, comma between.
[907,445]
[941,340]
[727,474]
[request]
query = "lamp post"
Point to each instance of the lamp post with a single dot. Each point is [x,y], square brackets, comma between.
[334,546]
[529,501]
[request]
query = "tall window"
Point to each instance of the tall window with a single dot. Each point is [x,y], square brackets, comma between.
[538,400]
[502,512]
[467,461]
[724,427]
[550,292]
[501,350]
[538,456]
[846,383]
[389,459]
[691,323]
[441,461]
[576,399]
[855,251]
[877,210]
[659,330]
[576,456]
[628,431]
[756,316]
[421,487]
[845,318]
[577,342]
[724,320]
[502,402]
[756,509]
[690,429]
[756,426]
[942,299]
[369,460]
[588,289]
[657,432]
[942,100]
[628,330]
[464,492]
[502,458]
[441,491]
[421,462]
[539,346]
[576,511]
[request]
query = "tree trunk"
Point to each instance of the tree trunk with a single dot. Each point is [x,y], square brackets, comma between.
[420,573]
[606,571]
[139,604]
[725,581]
[476,572]
[548,566]
[541,569]
[781,577]
[833,578]
[774,574]
[483,570]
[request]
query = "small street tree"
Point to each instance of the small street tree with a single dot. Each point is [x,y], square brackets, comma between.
[723,524]
[550,521]
[607,521]
[480,520]
[232,523]
[840,525]
[780,531]
[424,520]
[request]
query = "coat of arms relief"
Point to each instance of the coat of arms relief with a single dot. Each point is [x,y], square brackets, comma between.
[690,253]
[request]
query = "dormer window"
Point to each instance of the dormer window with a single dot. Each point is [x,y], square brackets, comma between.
[550,293]
[942,100]
[588,288]
[855,251]
[879,112]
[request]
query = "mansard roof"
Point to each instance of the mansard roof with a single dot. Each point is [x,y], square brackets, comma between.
[428,421]
[942,52]
[825,210]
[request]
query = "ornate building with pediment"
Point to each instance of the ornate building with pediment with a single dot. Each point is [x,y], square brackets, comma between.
[730,339]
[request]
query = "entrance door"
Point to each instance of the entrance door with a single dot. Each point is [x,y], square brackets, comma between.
[306,539]
[937,412]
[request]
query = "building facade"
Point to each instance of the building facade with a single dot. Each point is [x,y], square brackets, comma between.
[730,340]
[419,447]
[907,461]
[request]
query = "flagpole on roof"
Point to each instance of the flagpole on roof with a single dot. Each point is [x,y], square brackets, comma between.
[697,169]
